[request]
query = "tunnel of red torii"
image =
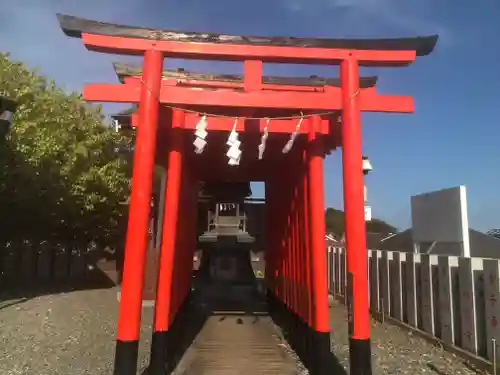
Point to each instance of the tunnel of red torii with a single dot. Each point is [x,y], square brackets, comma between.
[317,114]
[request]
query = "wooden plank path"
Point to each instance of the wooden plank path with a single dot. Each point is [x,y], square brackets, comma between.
[237,338]
[237,345]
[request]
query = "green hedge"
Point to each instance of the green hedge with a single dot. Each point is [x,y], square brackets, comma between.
[60,177]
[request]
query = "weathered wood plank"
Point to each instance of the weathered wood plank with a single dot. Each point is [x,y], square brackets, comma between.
[74,27]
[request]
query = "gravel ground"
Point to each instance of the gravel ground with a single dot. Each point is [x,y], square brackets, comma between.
[397,351]
[74,333]
[71,334]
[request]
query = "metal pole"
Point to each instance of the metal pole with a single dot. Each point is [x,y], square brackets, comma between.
[494,354]
[382,311]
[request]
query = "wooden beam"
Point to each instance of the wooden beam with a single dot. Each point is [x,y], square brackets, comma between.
[125,71]
[257,126]
[108,37]
[328,101]
[194,83]
[272,54]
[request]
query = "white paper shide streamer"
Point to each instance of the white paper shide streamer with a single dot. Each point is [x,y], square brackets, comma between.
[289,144]
[7,116]
[200,135]
[262,146]
[223,207]
[234,152]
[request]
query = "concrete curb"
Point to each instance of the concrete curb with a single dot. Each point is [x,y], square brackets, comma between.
[144,303]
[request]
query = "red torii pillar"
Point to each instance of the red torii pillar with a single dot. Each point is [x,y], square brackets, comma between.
[319,282]
[355,226]
[127,343]
[164,292]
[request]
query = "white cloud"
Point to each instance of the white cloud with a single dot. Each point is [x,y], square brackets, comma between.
[31,33]
[374,16]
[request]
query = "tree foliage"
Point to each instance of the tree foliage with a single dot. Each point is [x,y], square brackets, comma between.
[334,222]
[60,175]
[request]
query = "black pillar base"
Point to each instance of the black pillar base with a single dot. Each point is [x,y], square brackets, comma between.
[313,347]
[360,356]
[126,354]
[166,346]
[321,356]
[159,350]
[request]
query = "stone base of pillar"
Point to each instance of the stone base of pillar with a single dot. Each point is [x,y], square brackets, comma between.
[150,277]
[145,303]
[109,269]
[151,274]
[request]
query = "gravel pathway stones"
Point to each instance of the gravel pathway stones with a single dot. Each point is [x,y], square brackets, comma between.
[397,351]
[74,333]
[67,334]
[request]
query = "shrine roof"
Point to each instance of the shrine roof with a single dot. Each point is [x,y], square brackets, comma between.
[126,112]
[126,70]
[7,105]
[74,27]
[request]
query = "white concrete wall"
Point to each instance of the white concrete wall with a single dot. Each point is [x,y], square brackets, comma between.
[455,299]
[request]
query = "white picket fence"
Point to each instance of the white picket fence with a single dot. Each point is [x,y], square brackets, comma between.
[454,299]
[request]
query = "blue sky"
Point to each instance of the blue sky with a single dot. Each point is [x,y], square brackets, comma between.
[451,139]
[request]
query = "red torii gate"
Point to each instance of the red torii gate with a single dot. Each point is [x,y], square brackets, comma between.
[170,108]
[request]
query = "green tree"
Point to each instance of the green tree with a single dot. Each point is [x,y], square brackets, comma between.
[60,175]
[334,223]
[380,226]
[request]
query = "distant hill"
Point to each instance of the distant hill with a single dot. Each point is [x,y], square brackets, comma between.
[334,220]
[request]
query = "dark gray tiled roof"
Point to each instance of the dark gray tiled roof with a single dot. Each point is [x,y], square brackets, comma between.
[481,245]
